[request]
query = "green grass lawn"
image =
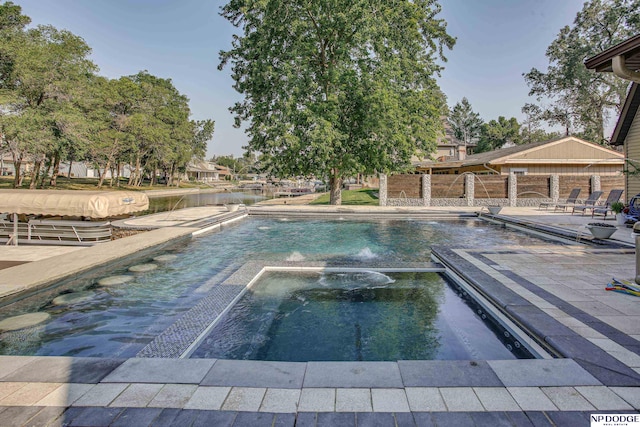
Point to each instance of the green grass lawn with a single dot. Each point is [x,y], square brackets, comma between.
[364,197]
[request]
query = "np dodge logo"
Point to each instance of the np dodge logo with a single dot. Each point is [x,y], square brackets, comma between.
[615,420]
[128,200]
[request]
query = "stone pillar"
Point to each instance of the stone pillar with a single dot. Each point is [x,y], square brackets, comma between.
[426,189]
[469,188]
[382,192]
[595,183]
[512,192]
[554,191]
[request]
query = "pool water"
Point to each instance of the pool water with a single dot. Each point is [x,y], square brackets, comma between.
[120,320]
[368,316]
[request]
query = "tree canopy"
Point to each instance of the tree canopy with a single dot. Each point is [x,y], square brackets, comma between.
[465,122]
[581,100]
[344,87]
[55,107]
[496,133]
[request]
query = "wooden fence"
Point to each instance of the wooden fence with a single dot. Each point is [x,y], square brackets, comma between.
[407,186]
[472,190]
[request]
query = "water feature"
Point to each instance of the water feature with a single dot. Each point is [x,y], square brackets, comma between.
[123,316]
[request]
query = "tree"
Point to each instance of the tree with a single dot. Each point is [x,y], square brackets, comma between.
[530,130]
[582,99]
[47,68]
[496,133]
[466,123]
[333,88]
[162,138]
[12,24]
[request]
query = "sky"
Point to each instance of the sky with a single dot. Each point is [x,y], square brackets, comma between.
[497,41]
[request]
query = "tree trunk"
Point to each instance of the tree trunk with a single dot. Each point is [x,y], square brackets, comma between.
[335,185]
[17,180]
[118,174]
[35,173]
[70,165]
[45,172]
[170,175]
[56,170]
[103,174]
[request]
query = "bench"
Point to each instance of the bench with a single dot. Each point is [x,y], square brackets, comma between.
[54,232]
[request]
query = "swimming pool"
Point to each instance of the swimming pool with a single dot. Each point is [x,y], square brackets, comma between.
[120,320]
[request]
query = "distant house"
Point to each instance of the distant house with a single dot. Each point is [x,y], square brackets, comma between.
[624,61]
[205,171]
[563,156]
[449,147]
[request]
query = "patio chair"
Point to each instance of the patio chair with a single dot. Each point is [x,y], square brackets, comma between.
[571,200]
[590,203]
[614,196]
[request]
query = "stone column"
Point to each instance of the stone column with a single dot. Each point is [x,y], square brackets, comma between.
[426,189]
[382,192]
[595,183]
[555,188]
[469,189]
[512,192]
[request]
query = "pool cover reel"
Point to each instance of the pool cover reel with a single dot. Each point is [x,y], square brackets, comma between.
[623,286]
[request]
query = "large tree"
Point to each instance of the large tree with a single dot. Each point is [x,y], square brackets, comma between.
[47,68]
[582,100]
[496,133]
[333,88]
[465,122]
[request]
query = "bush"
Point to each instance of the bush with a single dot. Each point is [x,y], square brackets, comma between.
[617,207]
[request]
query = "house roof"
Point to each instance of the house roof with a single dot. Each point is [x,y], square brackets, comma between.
[629,111]
[540,152]
[201,166]
[629,48]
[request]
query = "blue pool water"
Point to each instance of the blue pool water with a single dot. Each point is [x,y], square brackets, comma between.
[119,320]
[354,316]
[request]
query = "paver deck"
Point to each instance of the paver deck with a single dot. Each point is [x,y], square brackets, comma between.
[561,288]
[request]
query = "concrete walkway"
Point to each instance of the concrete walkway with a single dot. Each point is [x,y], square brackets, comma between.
[561,286]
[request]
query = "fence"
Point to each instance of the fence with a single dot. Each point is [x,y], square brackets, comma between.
[482,190]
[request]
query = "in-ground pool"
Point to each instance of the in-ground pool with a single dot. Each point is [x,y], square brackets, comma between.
[120,320]
[363,315]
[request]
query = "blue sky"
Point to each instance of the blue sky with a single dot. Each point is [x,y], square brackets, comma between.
[498,41]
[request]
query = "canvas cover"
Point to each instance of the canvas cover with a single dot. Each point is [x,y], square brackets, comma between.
[91,204]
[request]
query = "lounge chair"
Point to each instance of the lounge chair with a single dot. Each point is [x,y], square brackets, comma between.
[571,200]
[590,203]
[614,196]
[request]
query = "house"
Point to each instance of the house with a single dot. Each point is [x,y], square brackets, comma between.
[205,171]
[623,60]
[562,156]
[448,147]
